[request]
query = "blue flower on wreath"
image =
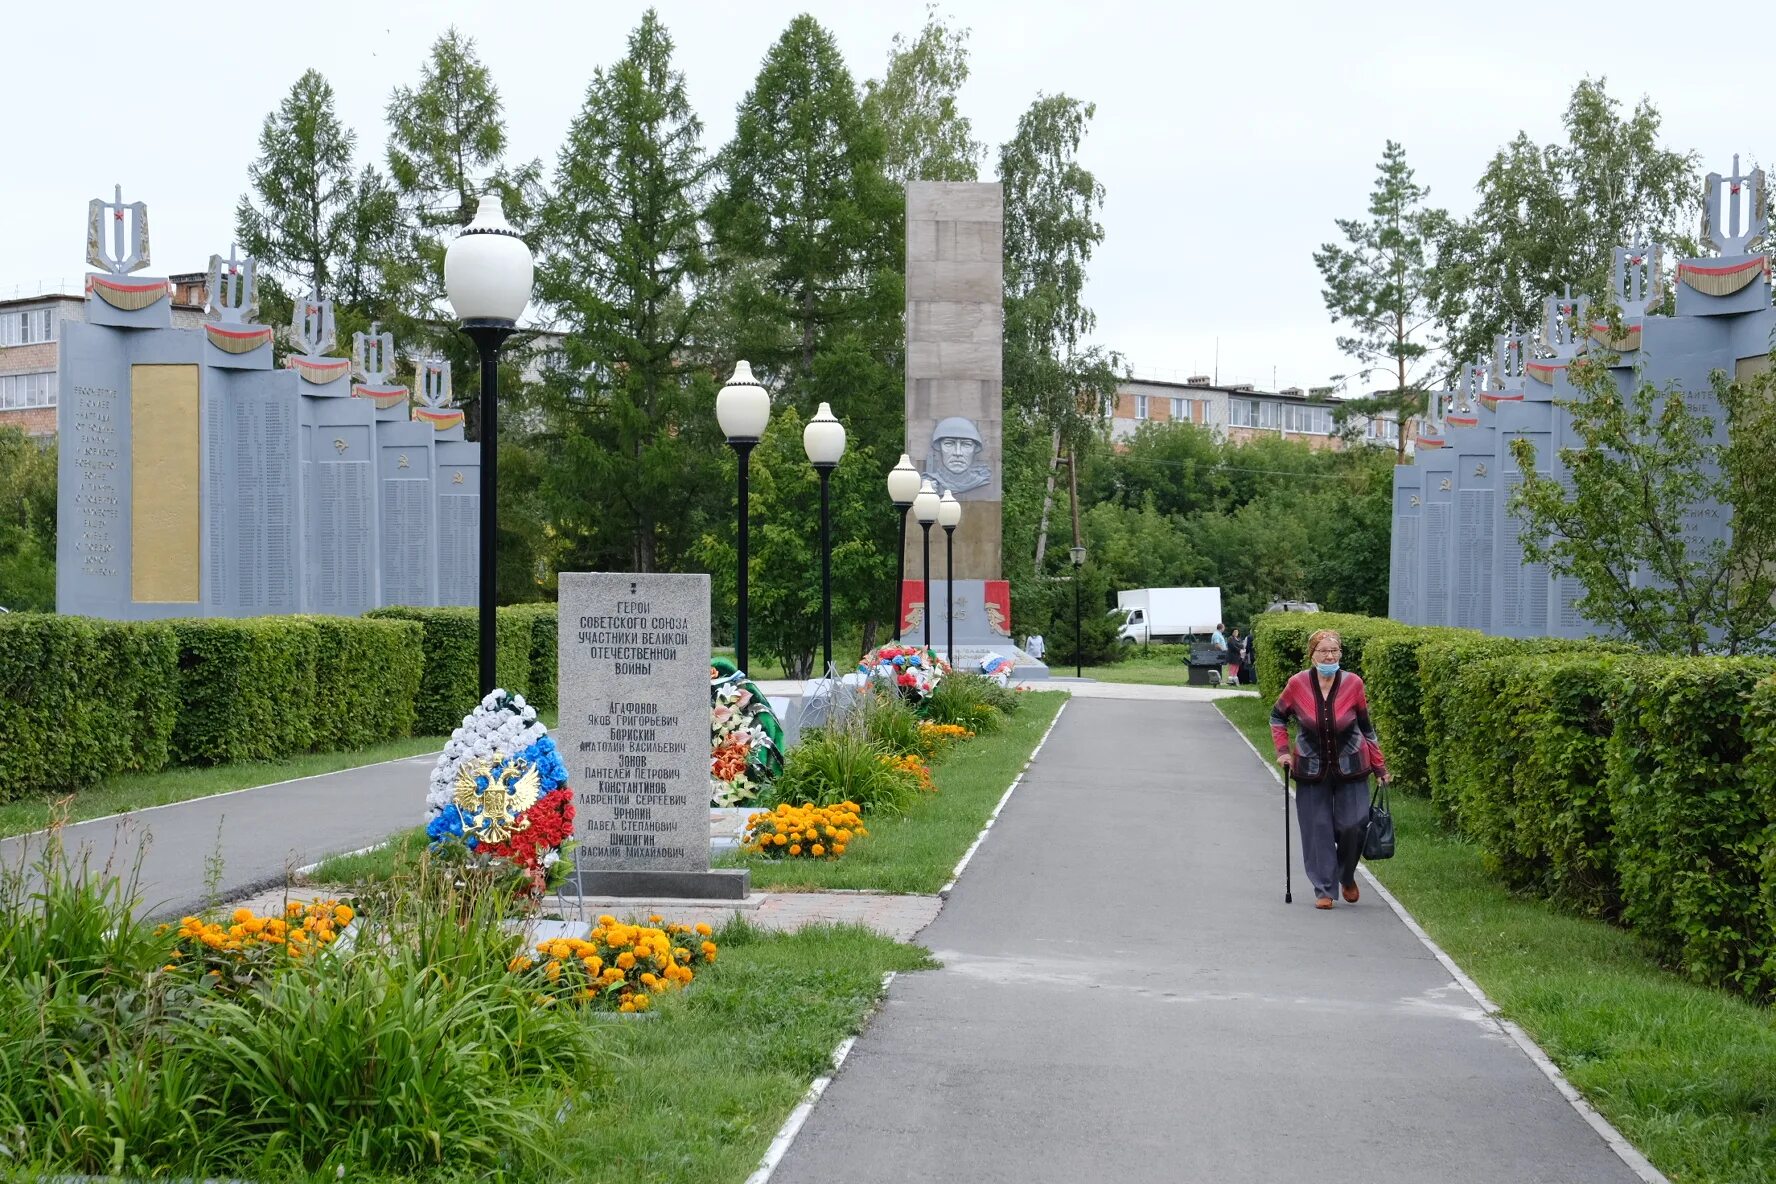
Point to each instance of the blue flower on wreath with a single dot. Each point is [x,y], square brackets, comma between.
[546,759]
[447,825]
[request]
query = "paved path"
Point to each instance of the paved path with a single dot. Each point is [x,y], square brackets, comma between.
[1126,997]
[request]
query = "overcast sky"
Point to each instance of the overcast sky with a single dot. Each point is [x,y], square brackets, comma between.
[1228,136]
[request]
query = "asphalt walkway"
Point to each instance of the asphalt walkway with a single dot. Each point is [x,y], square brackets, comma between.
[1124,996]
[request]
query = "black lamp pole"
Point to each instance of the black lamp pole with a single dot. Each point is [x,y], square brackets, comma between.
[900,566]
[825,472]
[743,451]
[926,526]
[489,334]
[950,592]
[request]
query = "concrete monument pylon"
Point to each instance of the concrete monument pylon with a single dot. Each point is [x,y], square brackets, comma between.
[955,325]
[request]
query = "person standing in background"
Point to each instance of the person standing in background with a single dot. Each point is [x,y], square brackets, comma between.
[1235,657]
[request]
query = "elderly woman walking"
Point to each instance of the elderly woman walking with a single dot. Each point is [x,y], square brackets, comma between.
[1334,753]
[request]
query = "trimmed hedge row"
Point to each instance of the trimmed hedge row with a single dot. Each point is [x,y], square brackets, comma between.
[84,699]
[1636,788]
[88,699]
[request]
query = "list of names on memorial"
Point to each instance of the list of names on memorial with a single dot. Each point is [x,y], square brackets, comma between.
[635,718]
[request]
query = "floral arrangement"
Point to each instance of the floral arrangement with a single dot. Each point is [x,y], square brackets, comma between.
[500,789]
[914,670]
[910,764]
[813,832]
[249,944]
[998,668]
[745,739]
[622,968]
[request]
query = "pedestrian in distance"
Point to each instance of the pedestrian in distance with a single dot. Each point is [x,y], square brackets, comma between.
[1249,662]
[1335,751]
[1235,656]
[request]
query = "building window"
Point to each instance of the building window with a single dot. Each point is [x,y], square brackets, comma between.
[1180,409]
[30,327]
[19,391]
[1140,406]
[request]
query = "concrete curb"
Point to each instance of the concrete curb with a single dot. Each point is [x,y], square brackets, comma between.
[1625,1151]
[792,1126]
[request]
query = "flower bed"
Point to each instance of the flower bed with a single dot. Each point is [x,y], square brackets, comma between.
[745,739]
[236,954]
[499,791]
[806,832]
[915,671]
[621,968]
[910,764]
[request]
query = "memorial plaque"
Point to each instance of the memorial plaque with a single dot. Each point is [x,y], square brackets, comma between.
[458,486]
[1403,601]
[407,527]
[1436,540]
[634,695]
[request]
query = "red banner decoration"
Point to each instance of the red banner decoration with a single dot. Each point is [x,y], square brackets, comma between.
[1629,339]
[441,421]
[126,296]
[383,396]
[1544,372]
[238,341]
[321,372]
[912,607]
[1725,279]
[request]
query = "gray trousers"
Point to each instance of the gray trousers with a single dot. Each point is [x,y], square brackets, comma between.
[1332,825]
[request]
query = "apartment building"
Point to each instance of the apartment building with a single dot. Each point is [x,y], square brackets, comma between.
[30,330]
[1238,412]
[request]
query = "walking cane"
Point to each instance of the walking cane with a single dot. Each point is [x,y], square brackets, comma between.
[1288,867]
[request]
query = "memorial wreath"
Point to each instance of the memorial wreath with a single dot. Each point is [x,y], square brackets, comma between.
[914,670]
[499,788]
[745,739]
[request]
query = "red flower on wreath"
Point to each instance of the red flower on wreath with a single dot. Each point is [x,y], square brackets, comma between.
[551,820]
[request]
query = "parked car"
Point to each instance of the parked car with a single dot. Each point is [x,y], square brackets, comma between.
[1292,606]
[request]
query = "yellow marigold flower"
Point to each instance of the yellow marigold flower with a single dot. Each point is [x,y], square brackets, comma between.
[795,848]
[343,914]
[709,947]
[626,960]
[553,971]
[607,919]
[241,915]
[648,979]
[818,850]
[626,1007]
[838,849]
[704,929]
[641,1002]
[655,919]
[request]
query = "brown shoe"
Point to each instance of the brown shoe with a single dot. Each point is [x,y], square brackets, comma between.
[1351,894]
[1323,902]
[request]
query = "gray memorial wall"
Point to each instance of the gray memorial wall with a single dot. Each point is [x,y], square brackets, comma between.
[1457,553]
[197,480]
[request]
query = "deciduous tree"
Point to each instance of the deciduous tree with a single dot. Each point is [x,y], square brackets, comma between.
[927,136]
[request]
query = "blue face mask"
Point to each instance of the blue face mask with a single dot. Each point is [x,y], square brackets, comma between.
[1326,669]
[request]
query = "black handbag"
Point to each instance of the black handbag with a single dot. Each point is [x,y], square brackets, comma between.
[1378,836]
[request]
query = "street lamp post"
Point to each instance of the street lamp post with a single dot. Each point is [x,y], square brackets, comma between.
[925,511]
[1077,553]
[743,409]
[949,516]
[488,272]
[903,487]
[824,442]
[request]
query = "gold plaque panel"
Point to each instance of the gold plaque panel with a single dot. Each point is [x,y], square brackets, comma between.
[166,558]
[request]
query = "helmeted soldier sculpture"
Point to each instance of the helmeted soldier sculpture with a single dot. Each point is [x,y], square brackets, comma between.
[954,463]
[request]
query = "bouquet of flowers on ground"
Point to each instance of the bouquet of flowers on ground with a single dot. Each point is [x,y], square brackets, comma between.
[914,670]
[499,788]
[998,668]
[745,739]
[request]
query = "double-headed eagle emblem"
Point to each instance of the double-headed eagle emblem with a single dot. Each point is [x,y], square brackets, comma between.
[491,794]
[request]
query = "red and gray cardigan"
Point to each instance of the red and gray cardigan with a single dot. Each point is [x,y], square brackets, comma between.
[1332,730]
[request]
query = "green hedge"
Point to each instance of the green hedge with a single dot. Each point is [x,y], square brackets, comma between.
[1279,643]
[539,690]
[1391,677]
[84,699]
[1760,777]
[246,689]
[367,675]
[449,687]
[1690,836]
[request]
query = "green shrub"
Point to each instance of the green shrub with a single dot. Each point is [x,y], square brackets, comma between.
[1391,678]
[84,698]
[889,721]
[842,765]
[540,688]
[1565,719]
[366,680]
[965,700]
[1760,776]
[1279,643]
[246,689]
[449,687]
[1689,833]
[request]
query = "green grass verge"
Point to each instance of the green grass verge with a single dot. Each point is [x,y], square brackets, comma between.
[1159,665]
[697,1093]
[914,852]
[1687,1073]
[917,851]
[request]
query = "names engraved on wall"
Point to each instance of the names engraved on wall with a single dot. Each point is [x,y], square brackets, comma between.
[636,725]
[98,490]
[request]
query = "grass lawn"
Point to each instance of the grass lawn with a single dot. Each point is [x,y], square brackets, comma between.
[1687,1073]
[1159,665]
[696,1093]
[917,851]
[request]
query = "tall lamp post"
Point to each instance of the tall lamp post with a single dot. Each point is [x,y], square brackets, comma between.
[743,408]
[903,487]
[824,442]
[949,516]
[925,511]
[488,273]
[1077,553]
